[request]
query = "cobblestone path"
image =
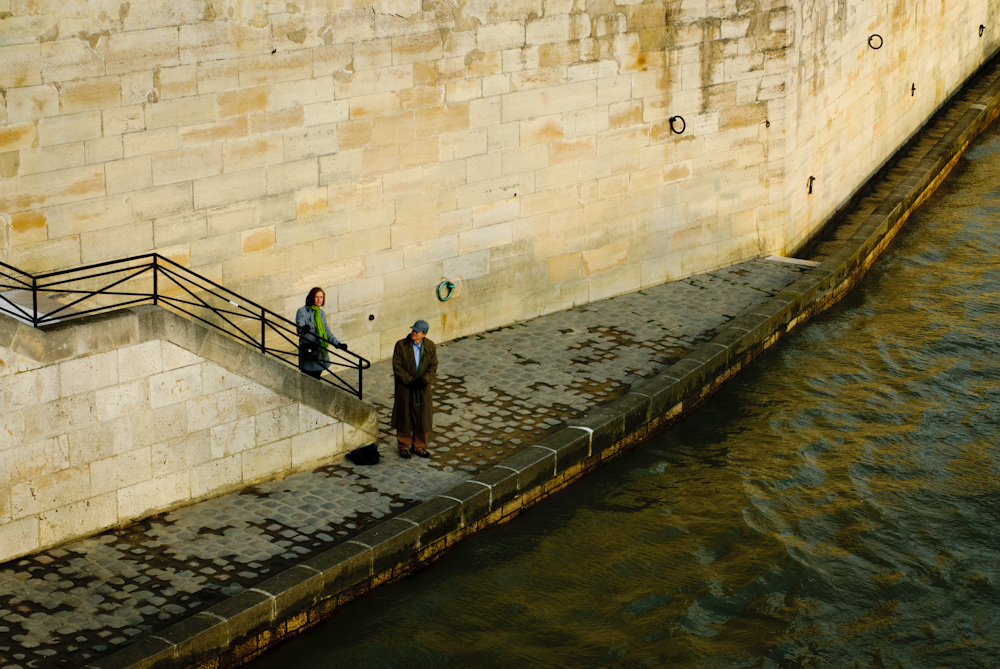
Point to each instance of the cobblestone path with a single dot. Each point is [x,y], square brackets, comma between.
[497,392]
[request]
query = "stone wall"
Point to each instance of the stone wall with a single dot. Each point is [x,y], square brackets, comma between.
[521,149]
[108,421]
[849,106]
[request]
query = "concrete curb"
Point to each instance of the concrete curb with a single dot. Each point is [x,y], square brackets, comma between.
[246,625]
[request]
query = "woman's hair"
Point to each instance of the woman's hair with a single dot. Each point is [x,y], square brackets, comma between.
[311,297]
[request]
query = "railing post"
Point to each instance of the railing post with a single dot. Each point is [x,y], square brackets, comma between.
[263,330]
[34,302]
[156,267]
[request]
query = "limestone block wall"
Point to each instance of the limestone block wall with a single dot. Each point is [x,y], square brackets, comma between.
[520,148]
[108,422]
[850,107]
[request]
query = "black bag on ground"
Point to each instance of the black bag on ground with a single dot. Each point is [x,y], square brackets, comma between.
[366,455]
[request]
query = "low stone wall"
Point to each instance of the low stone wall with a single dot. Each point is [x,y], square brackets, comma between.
[115,418]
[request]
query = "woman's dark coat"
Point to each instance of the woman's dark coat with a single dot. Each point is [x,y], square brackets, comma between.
[412,410]
[307,335]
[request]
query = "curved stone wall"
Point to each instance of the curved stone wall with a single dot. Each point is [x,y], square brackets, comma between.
[521,149]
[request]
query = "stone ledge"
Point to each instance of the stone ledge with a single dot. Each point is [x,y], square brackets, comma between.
[393,543]
[634,408]
[502,484]
[733,339]
[292,591]
[275,374]
[437,518]
[605,425]
[197,638]
[747,322]
[244,614]
[147,652]
[532,467]
[342,567]
[663,393]
[137,325]
[475,499]
[570,446]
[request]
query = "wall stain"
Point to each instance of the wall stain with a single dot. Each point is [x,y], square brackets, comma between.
[50,35]
[712,56]
[326,34]
[94,39]
[10,164]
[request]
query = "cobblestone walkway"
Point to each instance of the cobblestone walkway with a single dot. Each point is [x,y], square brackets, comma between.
[497,392]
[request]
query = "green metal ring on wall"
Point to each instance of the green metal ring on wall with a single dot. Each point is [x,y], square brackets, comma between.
[445,284]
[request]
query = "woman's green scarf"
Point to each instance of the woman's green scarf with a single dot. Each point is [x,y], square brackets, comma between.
[320,328]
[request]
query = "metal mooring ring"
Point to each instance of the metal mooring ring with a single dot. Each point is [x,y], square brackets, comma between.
[674,129]
[445,284]
[875,37]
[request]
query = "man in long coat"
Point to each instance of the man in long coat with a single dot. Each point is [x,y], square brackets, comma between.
[414,365]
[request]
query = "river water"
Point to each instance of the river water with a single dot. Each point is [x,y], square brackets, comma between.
[835,505]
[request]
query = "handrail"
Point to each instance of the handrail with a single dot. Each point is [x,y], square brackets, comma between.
[114,284]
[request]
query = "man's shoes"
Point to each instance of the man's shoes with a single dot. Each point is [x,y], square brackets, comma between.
[404,454]
[420,453]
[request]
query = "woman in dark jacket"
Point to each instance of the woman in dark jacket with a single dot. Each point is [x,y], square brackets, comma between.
[314,334]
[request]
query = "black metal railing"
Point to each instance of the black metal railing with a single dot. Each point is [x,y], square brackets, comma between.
[53,297]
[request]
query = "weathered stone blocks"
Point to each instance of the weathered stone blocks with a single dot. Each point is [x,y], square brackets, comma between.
[114,422]
[152,129]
